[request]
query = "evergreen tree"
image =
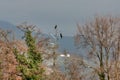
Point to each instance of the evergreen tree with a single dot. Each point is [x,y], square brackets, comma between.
[30,62]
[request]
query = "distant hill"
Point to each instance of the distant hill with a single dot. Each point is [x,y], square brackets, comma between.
[66,43]
[9,26]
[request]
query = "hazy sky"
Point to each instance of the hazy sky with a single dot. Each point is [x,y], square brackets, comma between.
[46,13]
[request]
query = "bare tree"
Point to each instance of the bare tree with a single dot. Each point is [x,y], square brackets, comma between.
[5,35]
[101,39]
[74,68]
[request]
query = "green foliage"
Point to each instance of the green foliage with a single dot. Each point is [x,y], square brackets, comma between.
[30,62]
[33,53]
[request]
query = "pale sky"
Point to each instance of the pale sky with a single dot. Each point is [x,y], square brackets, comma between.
[47,13]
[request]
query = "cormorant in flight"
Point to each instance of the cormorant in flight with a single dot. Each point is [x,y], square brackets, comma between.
[61,35]
[55,26]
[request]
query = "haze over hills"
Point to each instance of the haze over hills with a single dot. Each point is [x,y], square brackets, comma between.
[9,26]
[6,25]
[66,43]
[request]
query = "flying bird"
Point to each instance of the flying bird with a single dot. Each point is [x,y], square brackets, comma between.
[55,26]
[61,35]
